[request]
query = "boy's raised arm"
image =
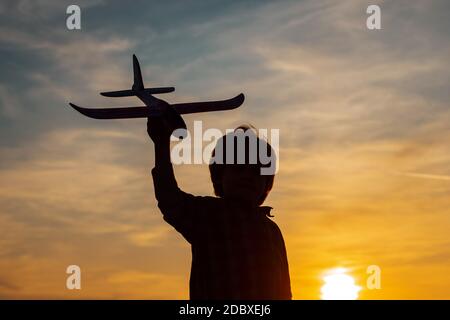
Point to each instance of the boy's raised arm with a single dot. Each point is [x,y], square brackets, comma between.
[164,181]
[178,207]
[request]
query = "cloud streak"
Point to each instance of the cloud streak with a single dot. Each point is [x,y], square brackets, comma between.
[425,176]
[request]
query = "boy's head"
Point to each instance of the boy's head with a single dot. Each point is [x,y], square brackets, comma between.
[236,166]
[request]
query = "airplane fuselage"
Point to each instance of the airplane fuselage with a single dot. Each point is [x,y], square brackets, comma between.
[149,100]
[172,119]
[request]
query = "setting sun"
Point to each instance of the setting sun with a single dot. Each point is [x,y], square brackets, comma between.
[339,286]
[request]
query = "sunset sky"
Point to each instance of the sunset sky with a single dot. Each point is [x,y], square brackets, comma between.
[364,119]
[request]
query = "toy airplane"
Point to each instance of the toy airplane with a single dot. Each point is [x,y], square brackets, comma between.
[154,106]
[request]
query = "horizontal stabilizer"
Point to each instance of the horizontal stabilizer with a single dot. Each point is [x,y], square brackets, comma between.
[121,93]
[129,93]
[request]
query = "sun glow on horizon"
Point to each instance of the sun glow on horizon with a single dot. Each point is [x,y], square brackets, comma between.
[339,286]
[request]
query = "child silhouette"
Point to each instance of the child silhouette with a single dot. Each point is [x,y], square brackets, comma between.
[238,252]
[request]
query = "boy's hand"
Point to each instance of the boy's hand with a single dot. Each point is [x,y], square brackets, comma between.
[157,126]
[157,129]
[160,128]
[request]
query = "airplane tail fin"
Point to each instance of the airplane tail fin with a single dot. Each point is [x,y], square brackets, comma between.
[138,83]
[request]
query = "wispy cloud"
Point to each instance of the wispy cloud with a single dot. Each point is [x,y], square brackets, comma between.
[424,175]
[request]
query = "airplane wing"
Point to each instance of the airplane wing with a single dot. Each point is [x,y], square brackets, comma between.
[144,112]
[116,113]
[194,107]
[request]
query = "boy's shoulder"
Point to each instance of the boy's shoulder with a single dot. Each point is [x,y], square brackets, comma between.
[274,226]
[207,202]
[272,223]
[209,199]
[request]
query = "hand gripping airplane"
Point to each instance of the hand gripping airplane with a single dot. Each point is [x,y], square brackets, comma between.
[154,106]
